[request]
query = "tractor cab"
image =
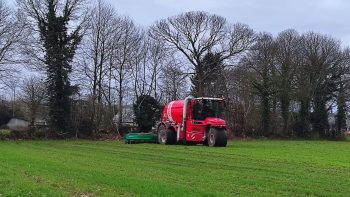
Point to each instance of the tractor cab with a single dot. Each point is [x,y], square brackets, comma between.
[204,107]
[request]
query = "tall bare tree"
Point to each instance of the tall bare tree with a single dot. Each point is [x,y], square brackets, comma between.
[11,34]
[95,55]
[148,65]
[141,69]
[194,34]
[287,64]
[261,59]
[317,78]
[33,93]
[158,57]
[173,81]
[125,46]
[343,93]
[241,102]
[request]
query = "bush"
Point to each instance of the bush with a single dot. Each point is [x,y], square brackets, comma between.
[147,111]
[5,134]
[85,128]
[106,136]
[40,132]
[347,136]
[16,135]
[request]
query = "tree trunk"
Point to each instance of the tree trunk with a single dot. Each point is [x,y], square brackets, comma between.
[200,82]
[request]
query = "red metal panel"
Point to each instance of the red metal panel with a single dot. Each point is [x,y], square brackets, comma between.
[173,112]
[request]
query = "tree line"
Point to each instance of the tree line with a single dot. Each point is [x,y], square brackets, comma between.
[91,65]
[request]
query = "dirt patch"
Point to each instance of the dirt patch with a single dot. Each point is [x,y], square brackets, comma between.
[86,195]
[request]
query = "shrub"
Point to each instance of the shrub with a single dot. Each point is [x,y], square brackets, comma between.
[5,134]
[147,111]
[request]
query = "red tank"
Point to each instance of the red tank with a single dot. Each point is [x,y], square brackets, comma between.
[173,111]
[193,120]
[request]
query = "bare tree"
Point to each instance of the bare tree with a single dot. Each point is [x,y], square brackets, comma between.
[12,84]
[194,34]
[140,70]
[317,80]
[173,81]
[342,95]
[287,63]
[149,61]
[33,93]
[109,59]
[95,55]
[261,60]
[241,101]
[158,57]
[11,32]
[125,45]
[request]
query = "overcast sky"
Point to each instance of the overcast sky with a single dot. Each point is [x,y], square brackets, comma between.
[331,17]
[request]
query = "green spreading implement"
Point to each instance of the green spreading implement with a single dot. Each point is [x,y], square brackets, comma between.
[132,138]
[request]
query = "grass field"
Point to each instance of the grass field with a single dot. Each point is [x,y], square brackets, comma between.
[244,168]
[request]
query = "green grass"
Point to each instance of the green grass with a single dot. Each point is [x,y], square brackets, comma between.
[244,168]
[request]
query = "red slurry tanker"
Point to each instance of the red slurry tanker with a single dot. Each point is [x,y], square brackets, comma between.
[193,121]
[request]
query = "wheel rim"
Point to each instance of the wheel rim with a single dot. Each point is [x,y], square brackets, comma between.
[211,138]
[162,137]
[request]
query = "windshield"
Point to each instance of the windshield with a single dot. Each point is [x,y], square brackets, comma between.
[208,108]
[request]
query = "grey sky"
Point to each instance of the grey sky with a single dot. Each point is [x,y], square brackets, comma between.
[331,17]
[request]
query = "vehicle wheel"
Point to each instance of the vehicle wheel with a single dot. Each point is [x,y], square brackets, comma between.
[166,136]
[222,138]
[160,133]
[217,137]
[171,136]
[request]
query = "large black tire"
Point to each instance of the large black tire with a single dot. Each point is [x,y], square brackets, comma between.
[217,137]
[166,136]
